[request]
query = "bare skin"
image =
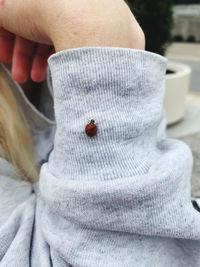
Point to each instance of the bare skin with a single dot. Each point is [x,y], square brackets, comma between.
[62,24]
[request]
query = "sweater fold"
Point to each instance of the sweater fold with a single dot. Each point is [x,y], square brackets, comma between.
[121,198]
[125,178]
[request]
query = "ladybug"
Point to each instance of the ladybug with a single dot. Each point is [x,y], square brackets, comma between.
[91,128]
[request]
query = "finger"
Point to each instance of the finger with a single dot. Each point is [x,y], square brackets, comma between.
[6,45]
[22,59]
[39,65]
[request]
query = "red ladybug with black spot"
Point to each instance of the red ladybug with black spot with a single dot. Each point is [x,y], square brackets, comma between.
[91,128]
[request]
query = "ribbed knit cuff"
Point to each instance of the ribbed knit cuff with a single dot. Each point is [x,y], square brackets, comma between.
[127,178]
[123,91]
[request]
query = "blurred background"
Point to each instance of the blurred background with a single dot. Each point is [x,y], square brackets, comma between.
[172,29]
[185,49]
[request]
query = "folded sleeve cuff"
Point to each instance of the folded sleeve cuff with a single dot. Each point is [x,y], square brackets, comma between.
[123,90]
[127,178]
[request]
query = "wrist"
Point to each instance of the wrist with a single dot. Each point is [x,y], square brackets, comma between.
[94,27]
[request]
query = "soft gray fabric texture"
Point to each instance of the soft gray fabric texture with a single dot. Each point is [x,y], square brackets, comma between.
[119,199]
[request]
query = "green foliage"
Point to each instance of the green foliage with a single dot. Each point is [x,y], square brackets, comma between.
[156,19]
[180,2]
[191,39]
[178,38]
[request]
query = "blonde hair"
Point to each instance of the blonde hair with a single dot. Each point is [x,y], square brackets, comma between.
[16,143]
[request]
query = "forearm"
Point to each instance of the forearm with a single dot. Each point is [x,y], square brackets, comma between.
[87,23]
[71,24]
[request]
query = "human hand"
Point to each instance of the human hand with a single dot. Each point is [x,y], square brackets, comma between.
[27,57]
[70,24]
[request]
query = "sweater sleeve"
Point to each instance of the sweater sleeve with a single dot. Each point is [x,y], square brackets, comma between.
[123,91]
[128,179]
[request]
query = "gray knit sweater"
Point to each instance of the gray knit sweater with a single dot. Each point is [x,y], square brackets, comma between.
[119,199]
